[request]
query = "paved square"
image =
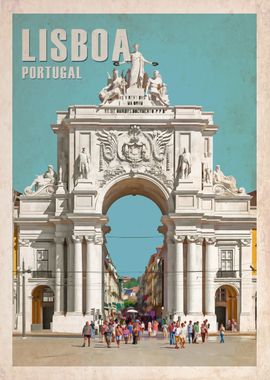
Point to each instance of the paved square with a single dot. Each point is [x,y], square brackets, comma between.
[68,351]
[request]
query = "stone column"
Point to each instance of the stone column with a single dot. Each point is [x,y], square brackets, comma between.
[211,268]
[247,319]
[194,275]
[78,276]
[59,277]
[70,276]
[179,276]
[170,275]
[98,299]
[90,275]
[94,286]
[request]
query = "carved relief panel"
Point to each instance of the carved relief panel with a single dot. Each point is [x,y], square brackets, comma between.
[136,151]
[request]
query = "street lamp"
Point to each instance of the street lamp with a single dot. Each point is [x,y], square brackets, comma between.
[162,310]
[23,297]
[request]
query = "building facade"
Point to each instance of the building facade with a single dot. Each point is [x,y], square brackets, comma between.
[135,143]
[152,287]
[112,285]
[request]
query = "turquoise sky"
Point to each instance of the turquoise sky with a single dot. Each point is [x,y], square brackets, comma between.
[207,60]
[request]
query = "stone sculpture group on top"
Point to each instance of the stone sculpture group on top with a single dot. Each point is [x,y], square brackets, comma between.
[135,78]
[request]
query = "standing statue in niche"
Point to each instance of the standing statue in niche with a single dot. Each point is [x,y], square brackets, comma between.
[63,167]
[136,74]
[84,164]
[207,169]
[184,166]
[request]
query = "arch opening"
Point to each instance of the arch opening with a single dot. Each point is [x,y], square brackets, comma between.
[137,186]
[226,307]
[42,307]
[133,244]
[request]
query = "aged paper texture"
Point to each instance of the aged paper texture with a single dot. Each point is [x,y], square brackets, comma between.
[262,10]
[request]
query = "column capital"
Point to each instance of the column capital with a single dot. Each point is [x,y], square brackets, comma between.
[77,238]
[210,240]
[179,238]
[24,242]
[89,238]
[99,239]
[199,240]
[59,240]
[245,242]
[192,238]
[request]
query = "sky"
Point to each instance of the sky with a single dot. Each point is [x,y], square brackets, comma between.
[207,60]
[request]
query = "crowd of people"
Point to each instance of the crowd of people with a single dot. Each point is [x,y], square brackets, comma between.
[131,331]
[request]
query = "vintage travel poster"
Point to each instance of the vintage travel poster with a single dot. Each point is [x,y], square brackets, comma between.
[135,153]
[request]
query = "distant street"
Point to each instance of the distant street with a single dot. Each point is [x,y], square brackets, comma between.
[67,351]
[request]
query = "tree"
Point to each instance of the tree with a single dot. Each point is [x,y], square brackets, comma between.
[131,283]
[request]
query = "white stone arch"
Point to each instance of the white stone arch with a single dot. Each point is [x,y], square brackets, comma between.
[140,184]
[236,287]
[231,306]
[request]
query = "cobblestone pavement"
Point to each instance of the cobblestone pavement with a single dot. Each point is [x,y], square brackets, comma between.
[68,351]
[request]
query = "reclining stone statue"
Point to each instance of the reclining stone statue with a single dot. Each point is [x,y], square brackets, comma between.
[43,181]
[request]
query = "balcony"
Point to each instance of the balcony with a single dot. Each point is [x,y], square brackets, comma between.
[226,274]
[42,274]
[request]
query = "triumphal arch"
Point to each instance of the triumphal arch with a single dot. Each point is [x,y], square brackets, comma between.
[134,142]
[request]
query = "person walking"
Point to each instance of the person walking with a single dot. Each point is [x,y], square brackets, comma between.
[93,330]
[102,330]
[140,330]
[183,336]
[130,328]
[196,330]
[126,334]
[165,330]
[177,334]
[149,328]
[86,333]
[190,332]
[221,333]
[118,335]
[142,327]
[155,328]
[108,334]
[135,333]
[203,331]
[172,333]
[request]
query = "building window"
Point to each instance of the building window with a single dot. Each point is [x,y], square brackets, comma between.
[221,295]
[42,260]
[48,295]
[226,260]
